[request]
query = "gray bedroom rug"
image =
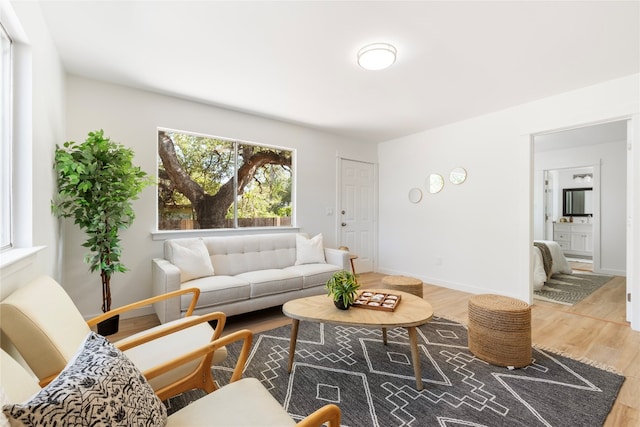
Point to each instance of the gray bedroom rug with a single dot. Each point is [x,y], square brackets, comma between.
[570,289]
[374,385]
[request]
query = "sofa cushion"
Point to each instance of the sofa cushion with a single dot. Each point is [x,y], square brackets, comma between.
[99,386]
[309,251]
[314,274]
[191,257]
[215,290]
[274,281]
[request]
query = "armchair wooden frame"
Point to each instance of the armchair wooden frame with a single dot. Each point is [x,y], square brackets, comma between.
[329,414]
[201,377]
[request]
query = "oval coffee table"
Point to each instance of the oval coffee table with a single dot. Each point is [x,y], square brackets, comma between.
[411,312]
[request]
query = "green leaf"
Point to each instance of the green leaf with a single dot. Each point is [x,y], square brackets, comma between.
[96,184]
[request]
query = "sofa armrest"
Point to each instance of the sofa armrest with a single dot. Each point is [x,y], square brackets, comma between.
[337,257]
[165,278]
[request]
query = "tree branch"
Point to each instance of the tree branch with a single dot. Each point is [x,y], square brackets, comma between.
[182,181]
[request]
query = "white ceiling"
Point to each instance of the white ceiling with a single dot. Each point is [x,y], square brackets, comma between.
[296,61]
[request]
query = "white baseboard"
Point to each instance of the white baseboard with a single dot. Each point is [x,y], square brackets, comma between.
[470,289]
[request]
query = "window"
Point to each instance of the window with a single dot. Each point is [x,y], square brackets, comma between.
[6,101]
[207,182]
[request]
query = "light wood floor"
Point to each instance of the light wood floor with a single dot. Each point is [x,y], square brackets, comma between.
[595,329]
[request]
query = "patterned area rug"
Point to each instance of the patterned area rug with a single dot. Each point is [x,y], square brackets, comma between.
[374,384]
[570,289]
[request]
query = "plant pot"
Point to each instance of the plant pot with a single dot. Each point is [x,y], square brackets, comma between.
[340,304]
[109,326]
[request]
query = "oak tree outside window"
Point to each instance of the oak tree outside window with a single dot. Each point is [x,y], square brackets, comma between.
[207,182]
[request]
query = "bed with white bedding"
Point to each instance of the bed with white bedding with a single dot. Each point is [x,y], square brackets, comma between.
[559,263]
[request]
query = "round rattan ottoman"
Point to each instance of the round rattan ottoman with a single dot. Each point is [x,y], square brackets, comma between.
[500,330]
[404,284]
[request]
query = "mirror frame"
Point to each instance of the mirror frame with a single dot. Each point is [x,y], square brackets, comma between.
[458,175]
[415,195]
[435,183]
[565,194]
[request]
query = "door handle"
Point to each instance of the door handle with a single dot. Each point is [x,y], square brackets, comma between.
[344,224]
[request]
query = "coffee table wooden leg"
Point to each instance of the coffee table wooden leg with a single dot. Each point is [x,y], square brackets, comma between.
[384,336]
[415,356]
[292,343]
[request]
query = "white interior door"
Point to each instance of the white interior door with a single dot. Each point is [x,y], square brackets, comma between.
[357,212]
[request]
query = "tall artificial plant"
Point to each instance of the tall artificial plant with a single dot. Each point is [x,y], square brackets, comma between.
[97,182]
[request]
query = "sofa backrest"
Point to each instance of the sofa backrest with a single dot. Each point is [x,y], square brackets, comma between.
[231,255]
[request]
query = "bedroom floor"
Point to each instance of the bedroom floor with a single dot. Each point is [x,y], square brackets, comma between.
[607,303]
[582,266]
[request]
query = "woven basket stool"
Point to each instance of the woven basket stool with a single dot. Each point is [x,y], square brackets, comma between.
[404,284]
[500,330]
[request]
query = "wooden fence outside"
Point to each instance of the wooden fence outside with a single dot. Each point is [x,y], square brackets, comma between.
[192,224]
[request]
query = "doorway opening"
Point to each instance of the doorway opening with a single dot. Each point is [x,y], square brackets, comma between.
[589,162]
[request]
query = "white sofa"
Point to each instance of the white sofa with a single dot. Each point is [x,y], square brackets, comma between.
[239,274]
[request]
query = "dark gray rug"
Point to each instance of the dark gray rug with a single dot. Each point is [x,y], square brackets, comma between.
[570,289]
[374,384]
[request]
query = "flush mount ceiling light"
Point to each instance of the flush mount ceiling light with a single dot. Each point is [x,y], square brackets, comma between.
[376,56]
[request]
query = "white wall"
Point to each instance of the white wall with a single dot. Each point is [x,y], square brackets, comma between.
[132,117]
[477,236]
[36,133]
[610,162]
[480,231]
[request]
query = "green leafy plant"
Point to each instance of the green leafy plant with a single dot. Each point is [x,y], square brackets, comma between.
[97,182]
[342,286]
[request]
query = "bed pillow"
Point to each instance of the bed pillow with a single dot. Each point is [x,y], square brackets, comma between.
[192,258]
[99,386]
[309,251]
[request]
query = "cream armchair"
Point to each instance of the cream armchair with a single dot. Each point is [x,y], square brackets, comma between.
[241,403]
[46,328]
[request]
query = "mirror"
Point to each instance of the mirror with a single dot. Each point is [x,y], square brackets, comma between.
[458,176]
[415,195]
[436,182]
[577,201]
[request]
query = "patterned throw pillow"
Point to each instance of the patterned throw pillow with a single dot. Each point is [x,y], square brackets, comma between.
[99,386]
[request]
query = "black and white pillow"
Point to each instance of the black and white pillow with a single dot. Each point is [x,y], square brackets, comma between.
[99,386]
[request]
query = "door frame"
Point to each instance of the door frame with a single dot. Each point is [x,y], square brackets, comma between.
[595,257]
[633,209]
[338,203]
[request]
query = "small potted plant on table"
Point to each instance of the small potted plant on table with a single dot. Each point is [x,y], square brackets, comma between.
[342,287]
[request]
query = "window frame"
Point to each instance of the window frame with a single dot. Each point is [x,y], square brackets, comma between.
[6,139]
[235,228]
